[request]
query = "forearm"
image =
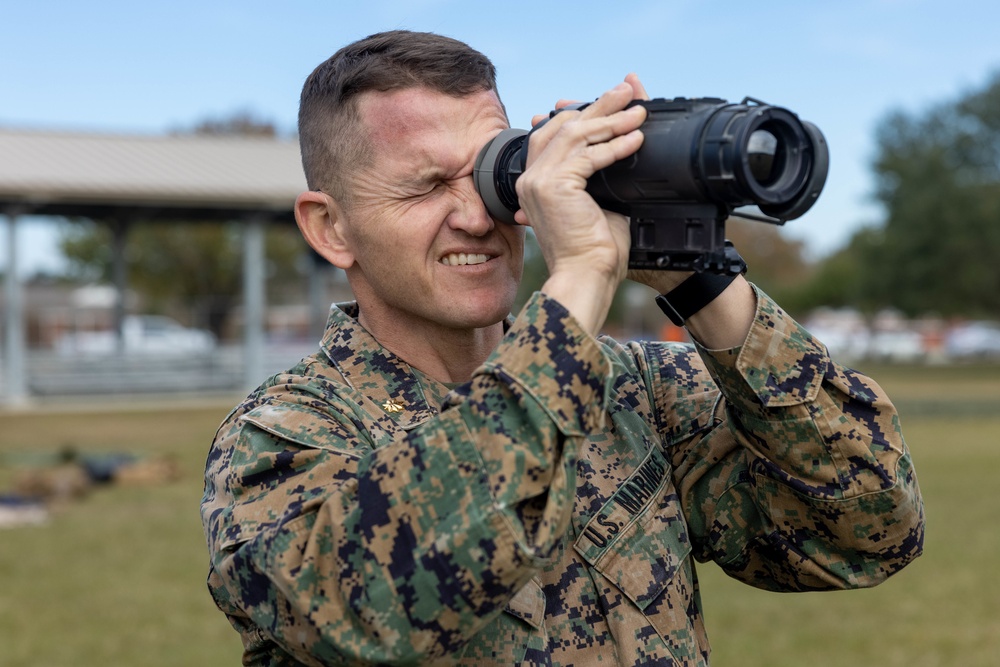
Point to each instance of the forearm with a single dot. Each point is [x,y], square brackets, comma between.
[805,481]
[828,429]
[790,504]
[586,295]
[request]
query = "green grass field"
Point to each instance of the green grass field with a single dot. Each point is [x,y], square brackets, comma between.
[944,609]
[117,578]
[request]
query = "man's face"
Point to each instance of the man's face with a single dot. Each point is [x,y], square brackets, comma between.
[425,250]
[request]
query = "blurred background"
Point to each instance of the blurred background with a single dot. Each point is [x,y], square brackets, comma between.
[127,336]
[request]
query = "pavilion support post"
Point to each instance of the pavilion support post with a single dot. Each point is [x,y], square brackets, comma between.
[119,274]
[319,304]
[254,363]
[15,385]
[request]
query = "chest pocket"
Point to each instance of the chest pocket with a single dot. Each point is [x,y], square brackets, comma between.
[639,544]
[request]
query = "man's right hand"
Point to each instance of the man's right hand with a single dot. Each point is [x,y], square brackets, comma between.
[585,247]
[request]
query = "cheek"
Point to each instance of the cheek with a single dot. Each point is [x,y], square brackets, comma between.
[374,252]
[380,240]
[412,225]
[515,241]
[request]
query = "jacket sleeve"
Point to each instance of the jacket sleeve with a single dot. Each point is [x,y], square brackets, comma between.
[343,552]
[792,469]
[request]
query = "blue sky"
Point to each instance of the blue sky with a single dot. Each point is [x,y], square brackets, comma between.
[152,67]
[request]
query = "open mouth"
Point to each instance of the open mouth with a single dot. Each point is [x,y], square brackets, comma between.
[463,259]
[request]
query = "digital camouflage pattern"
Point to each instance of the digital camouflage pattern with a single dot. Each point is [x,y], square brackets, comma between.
[549,512]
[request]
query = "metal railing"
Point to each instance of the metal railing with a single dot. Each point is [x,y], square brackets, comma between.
[223,369]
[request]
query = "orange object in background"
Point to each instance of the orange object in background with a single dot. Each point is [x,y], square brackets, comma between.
[673,333]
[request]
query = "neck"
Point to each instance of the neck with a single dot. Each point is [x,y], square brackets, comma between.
[443,353]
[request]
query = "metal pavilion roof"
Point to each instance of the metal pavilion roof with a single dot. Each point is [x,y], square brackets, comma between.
[93,175]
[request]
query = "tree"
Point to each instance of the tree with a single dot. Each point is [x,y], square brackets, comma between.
[938,177]
[775,263]
[196,266]
[239,124]
[847,278]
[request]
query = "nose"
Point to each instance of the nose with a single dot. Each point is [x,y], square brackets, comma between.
[468,212]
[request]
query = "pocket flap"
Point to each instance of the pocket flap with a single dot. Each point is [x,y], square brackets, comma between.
[528,604]
[639,538]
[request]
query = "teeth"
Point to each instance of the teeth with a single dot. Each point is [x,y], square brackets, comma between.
[462,259]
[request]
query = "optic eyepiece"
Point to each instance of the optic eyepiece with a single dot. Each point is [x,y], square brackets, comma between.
[497,168]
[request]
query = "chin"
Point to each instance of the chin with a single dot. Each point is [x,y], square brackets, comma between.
[478,315]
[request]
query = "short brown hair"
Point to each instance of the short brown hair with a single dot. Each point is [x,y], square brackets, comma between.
[329,134]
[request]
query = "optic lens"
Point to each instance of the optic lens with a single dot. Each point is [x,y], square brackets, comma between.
[762,149]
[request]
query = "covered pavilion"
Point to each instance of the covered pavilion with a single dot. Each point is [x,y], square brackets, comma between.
[128,180]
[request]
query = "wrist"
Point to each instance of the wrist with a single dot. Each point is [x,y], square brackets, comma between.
[717,308]
[586,295]
[688,293]
[725,322]
[661,281]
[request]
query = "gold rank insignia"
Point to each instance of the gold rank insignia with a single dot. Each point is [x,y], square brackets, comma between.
[393,405]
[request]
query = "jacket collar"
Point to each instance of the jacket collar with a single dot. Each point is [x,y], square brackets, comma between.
[384,379]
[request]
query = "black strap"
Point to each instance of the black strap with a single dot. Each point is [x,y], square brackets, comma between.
[700,289]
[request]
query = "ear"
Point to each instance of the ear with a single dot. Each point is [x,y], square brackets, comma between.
[322,221]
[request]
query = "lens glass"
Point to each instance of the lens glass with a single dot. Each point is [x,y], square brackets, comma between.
[762,149]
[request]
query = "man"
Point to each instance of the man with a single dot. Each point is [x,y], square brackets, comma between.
[443,485]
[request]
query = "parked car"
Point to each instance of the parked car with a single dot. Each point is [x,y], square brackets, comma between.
[896,346]
[843,343]
[141,335]
[972,340]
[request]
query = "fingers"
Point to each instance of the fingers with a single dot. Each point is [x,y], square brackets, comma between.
[606,121]
[561,104]
[577,143]
[606,153]
[632,79]
[638,90]
[613,100]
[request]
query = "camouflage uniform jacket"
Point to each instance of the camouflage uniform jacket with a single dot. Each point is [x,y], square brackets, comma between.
[550,510]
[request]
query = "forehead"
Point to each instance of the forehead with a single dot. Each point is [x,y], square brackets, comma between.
[426,128]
